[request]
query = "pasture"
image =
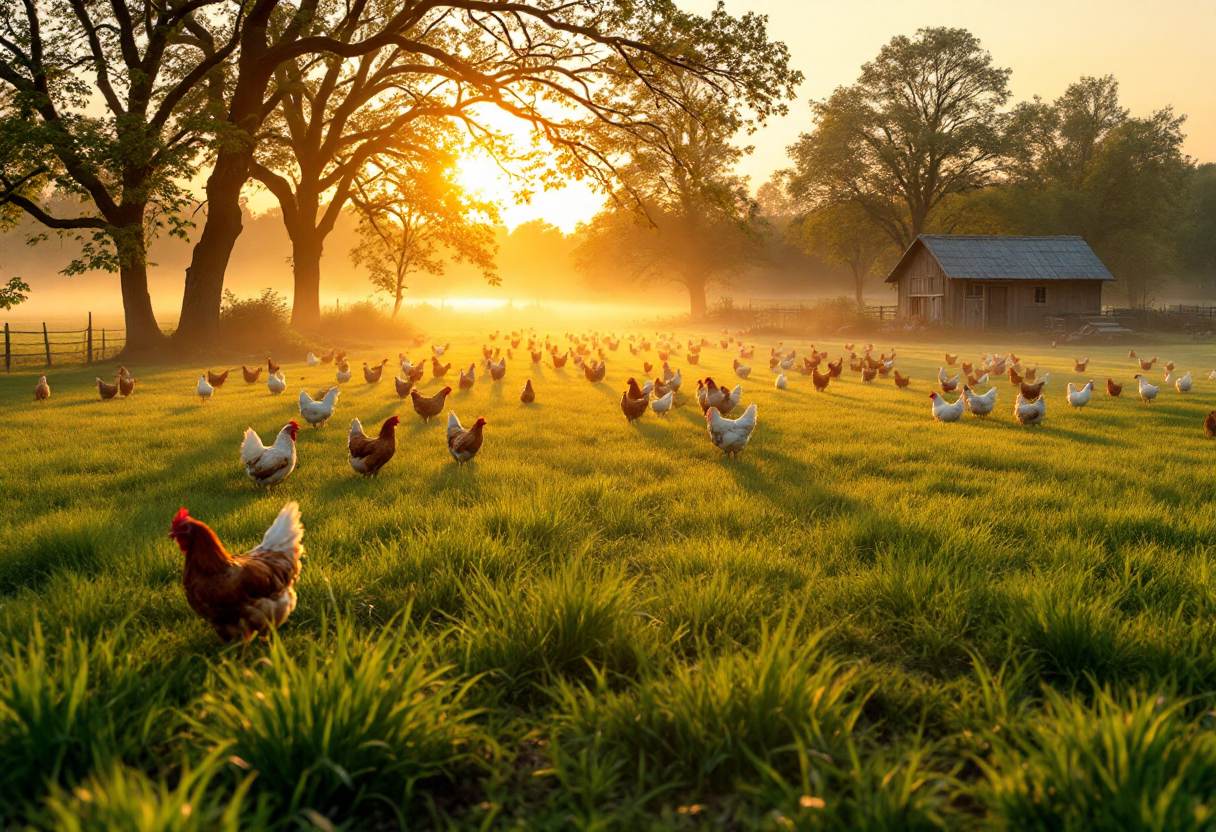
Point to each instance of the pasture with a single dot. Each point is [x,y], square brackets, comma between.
[867,620]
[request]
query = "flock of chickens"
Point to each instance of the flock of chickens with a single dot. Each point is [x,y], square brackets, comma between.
[242,596]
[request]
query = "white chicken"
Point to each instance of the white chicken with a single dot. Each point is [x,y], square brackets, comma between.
[675,381]
[311,360]
[406,367]
[438,350]
[276,383]
[944,411]
[270,465]
[344,374]
[780,382]
[1183,383]
[941,375]
[668,375]
[1212,376]
[731,435]
[317,413]
[980,406]
[1078,397]
[742,370]
[1148,392]
[647,389]
[787,364]
[204,389]
[662,405]
[1030,413]
[1045,379]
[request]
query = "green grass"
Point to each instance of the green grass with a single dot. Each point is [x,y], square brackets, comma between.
[868,620]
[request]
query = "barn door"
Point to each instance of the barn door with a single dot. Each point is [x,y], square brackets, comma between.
[998,306]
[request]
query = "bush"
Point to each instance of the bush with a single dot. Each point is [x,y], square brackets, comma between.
[361,322]
[256,324]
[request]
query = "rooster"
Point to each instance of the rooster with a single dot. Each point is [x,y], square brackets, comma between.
[439,370]
[276,383]
[1030,413]
[1078,397]
[242,596]
[317,413]
[367,455]
[731,435]
[270,465]
[1148,392]
[528,394]
[1113,390]
[463,444]
[944,411]
[217,379]
[203,389]
[429,408]
[979,406]
[404,386]
[251,374]
[373,375]
[468,378]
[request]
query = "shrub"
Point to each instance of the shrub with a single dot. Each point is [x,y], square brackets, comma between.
[255,324]
[361,322]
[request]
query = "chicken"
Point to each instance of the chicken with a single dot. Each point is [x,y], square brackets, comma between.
[1080,365]
[980,406]
[1030,413]
[467,378]
[317,413]
[949,386]
[731,435]
[528,394]
[560,361]
[868,375]
[1014,378]
[126,385]
[497,371]
[1148,392]
[1146,365]
[1078,397]
[834,370]
[276,383]
[438,351]
[1209,425]
[367,455]
[901,381]
[373,375]
[1183,383]
[950,359]
[406,366]
[780,382]
[404,386]
[217,380]
[674,381]
[944,411]
[741,370]
[1030,392]
[344,374]
[270,465]
[271,367]
[251,374]
[328,358]
[242,596]
[941,375]
[632,407]
[635,392]
[594,372]
[662,405]
[429,407]
[463,444]
[42,390]
[711,395]
[694,358]
[820,380]
[203,389]
[1169,366]
[439,370]
[1030,374]
[311,360]
[1113,390]
[1212,376]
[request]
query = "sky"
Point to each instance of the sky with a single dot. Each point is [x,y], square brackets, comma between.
[1163,52]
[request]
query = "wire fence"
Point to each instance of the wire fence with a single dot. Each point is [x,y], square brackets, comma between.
[48,348]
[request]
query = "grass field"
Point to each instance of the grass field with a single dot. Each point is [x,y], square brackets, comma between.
[868,620]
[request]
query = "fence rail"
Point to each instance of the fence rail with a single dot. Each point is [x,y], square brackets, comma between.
[44,346]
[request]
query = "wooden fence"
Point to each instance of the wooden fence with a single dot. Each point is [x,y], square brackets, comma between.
[68,346]
[793,318]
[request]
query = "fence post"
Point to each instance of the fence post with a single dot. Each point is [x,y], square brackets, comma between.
[103,343]
[8,350]
[46,341]
[89,359]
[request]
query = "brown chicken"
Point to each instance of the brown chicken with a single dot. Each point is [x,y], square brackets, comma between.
[868,374]
[950,359]
[1131,354]
[328,358]
[42,391]
[340,356]
[439,370]
[694,358]
[429,408]
[537,355]
[528,394]
[1209,425]
[498,371]
[633,403]
[469,379]
[1030,392]
[404,386]
[1113,390]
[271,367]
[368,455]
[1146,365]
[245,595]
[967,366]
[1014,378]
[820,380]
[560,361]
[901,381]
[251,374]
[647,367]
[126,385]
[1030,374]
[372,375]
[107,391]
[463,444]
[217,380]
[417,373]
[594,372]
[1079,365]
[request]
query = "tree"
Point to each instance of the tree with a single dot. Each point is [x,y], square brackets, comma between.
[682,215]
[413,214]
[922,123]
[13,292]
[106,103]
[1197,248]
[568,69]
[845,235]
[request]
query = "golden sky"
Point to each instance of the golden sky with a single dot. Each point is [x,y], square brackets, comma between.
[1161,51]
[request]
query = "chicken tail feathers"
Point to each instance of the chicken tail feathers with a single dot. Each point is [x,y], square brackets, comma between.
[251,447]
[454,425]
[286,533]
[356,427]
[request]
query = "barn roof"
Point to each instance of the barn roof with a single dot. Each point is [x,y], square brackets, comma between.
[965,257]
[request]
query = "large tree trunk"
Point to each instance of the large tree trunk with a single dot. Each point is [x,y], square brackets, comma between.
[859,288]
[143,333]
[306,252]
[199,326]
[696,296]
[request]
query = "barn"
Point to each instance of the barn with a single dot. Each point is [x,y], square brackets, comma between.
[985,282]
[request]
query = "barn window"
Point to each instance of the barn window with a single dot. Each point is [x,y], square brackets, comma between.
[975,290]
[1040,294]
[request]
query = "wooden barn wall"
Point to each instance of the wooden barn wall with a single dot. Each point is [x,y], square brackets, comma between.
[919,268]
[1078,297]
